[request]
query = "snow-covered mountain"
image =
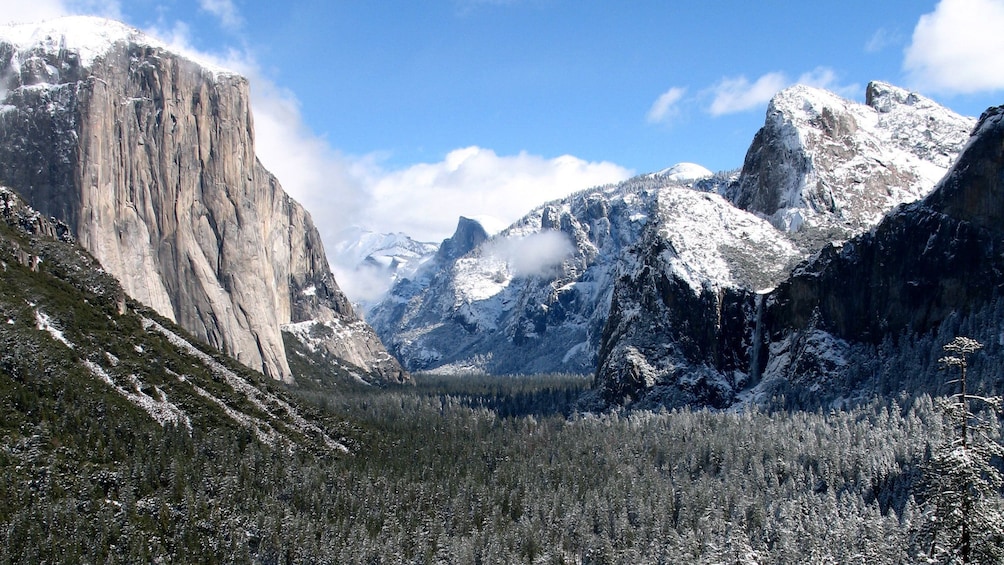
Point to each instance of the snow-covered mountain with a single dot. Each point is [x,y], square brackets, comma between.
[821,169]
[659,282]
[532,298]
[149,158]
[372,262]
[821,162]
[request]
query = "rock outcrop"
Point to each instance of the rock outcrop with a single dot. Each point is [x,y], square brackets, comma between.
[821,162]
[925,262]
[685,302]
[149,158]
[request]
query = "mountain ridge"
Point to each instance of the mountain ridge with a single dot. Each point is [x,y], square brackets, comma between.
[670,275]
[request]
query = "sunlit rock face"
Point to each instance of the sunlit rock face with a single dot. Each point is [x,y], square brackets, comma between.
[149,158]
[826,163]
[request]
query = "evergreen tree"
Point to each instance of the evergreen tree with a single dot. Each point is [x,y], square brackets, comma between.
[965,517]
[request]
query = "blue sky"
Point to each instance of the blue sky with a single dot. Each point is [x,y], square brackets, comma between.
[414,80]
[400,115]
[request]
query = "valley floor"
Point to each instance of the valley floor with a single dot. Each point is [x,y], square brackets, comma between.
[476,471]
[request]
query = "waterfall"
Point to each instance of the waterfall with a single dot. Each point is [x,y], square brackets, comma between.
[754,371]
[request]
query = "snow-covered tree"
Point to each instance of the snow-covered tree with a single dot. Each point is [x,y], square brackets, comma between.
[965,517]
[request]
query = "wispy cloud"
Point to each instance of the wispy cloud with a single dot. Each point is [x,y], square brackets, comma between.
[738,94]
[958,48]
[732,95]
[38,10]
[535,254]
[225,11]
[881,39]
[827,78]
[665,107]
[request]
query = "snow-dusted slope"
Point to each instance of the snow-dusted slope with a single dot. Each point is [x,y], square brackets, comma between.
[533,298]
[710,244]
[84,39]
[822,161]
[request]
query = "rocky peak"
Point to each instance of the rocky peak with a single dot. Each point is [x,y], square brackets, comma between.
[823,162]
[149,157]
[468,235]
[886,97]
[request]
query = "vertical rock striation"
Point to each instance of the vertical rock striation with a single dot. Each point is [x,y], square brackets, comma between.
[149,158]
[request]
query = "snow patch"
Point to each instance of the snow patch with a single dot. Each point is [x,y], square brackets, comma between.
[264,401]
[684,172]
[90,37]
[160,408]
[43,322]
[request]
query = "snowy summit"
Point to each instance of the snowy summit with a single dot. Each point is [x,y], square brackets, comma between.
[90,37]
[684,172]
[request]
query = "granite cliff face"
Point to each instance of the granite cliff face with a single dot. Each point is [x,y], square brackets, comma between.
[149,158]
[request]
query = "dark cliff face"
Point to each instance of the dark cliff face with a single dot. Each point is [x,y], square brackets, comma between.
[685,306]
[468,235]
[921,264]
[663,334]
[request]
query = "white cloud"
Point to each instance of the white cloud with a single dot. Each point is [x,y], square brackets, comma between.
[361,283]
[224,10]
[733,95]
[38,10]
[424,200]
[958,48]
[665,107]
[738,94]
[19,12]
[536,254]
